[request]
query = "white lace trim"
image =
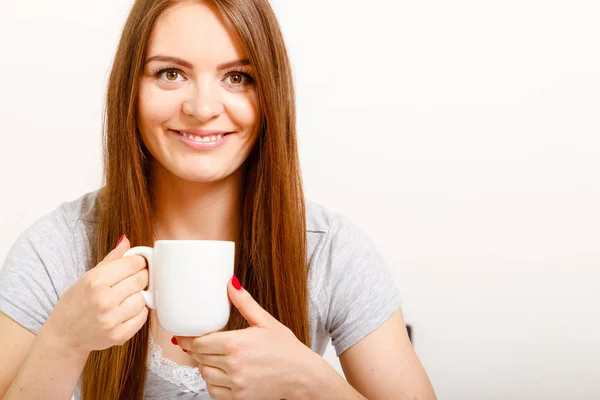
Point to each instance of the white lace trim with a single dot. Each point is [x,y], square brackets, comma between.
[186,378]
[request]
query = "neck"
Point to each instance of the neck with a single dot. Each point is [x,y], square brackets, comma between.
[192,210]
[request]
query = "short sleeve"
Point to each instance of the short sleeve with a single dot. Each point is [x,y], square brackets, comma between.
[358,287]
[38,269]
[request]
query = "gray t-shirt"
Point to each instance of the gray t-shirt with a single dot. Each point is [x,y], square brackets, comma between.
[351,292]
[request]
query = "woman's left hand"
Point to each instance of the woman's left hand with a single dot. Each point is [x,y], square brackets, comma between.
[263,361]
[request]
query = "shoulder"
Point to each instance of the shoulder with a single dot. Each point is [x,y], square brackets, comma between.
[350,286]
[321,225]
[44,261]
[74,220]
[65,216]
[336,246]
[326,229]
[58,236]
[321,220]
[318,218]
[81,209]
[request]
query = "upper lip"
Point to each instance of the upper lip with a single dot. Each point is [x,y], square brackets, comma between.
[203,132]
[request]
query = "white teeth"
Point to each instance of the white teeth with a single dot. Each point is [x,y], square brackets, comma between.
[205,139]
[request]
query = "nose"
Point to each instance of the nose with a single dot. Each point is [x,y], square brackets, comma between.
[203,103]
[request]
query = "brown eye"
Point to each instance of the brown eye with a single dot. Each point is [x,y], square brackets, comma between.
[236,79]
[171,75]
[239,79]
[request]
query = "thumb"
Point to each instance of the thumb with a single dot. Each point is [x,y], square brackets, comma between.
[247,306]
[122,246]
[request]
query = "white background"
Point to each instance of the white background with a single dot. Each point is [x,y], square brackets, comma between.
[462,136]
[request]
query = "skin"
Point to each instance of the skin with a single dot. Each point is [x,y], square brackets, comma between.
[233,363]
[191,186]
[103,308]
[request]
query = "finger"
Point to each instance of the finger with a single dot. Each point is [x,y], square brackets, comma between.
[131,306]
[213,343]
[218,392]
[247,306]
[130,285]
[119,249]
[214,376]
[212,360]
[128,328]
[115,271]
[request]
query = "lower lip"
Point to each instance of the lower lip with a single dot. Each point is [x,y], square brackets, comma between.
[202,146]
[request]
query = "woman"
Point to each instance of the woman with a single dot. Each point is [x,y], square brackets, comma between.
[200,143]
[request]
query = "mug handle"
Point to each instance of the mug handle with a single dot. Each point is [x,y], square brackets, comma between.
[145,252]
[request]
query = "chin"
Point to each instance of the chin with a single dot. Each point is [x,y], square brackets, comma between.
[205,175]
[202,177]
[203,169]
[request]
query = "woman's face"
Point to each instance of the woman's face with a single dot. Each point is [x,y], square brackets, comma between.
[198,110]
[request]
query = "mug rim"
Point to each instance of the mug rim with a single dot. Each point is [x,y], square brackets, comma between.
[189,241]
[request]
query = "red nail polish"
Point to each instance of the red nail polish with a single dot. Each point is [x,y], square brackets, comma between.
[174,340]
[184,350]
[120,240]
[236,282]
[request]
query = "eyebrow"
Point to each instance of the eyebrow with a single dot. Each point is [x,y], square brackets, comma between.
[183,63]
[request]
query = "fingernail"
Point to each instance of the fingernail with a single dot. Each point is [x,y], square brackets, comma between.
[236,282]
[174,340]
[120,240]
[184,350]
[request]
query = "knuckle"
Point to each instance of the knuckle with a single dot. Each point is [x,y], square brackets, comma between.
[139,262]
[145,311]
[137,279]
[143,316]
[203,371]
[92,282]
[238,381]
[141,279]
[196,345]
[235,365]
[146,275]
[115,337]
[101,303]
[139,301]
[231,347]
[105,322]
[211,390]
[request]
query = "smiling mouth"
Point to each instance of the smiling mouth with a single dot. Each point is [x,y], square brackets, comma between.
[204,138]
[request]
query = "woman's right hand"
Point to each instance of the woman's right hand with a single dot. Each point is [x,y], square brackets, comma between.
[104,307]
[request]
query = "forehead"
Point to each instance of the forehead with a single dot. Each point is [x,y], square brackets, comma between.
[194,32]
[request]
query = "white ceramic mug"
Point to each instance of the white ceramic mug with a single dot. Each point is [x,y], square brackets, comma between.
[188,284]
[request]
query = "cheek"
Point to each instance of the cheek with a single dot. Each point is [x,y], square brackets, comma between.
[244,111]
[155,106]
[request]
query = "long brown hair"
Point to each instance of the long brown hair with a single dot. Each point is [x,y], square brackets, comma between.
[271,251]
